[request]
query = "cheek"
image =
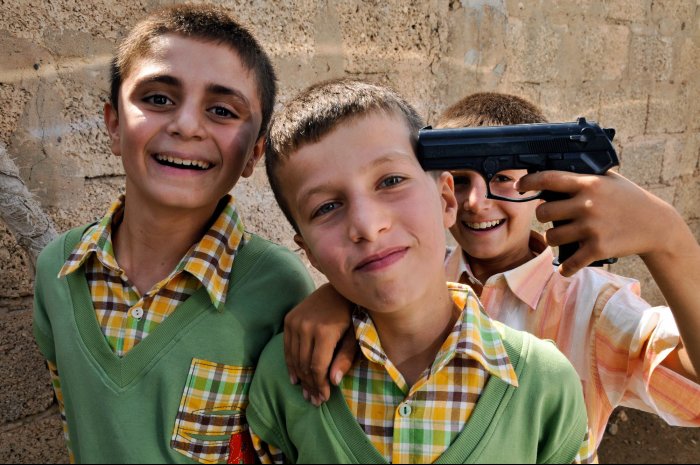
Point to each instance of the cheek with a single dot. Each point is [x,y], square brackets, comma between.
[328,252]
[235,143]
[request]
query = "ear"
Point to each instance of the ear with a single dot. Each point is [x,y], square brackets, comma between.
[258,152]
[446,186]
[302,244]
[111,118]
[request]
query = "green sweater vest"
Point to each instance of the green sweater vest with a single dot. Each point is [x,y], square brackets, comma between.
[541,421]
[125,409]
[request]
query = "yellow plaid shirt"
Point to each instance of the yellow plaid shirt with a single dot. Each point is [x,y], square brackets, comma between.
[416,424]
[127,317]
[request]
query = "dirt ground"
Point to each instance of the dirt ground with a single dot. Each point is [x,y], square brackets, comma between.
[638,437]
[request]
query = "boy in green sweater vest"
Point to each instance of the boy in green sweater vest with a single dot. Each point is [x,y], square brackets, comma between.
[436,379]
[153,319]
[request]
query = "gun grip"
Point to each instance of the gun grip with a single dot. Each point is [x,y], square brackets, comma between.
[567,250]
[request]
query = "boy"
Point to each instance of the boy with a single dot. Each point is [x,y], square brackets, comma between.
[153,319]
[436,379]
[625,352]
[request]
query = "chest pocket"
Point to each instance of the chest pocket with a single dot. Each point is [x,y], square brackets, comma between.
[212,411]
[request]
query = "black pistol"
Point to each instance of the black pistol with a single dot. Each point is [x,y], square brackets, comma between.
[580,147]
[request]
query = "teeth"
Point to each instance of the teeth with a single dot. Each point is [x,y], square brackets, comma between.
[178,161]
[485,225]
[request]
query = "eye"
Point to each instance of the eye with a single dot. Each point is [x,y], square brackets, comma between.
[392,181]
[158,100]
[502,178]
[222,112]
[325,209]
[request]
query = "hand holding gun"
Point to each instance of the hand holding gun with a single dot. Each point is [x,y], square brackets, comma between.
[579,147]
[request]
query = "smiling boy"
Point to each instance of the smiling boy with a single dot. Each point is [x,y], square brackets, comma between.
[626,352]
[436,379]
[152,320]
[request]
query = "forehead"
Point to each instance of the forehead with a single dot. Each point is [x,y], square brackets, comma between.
[354,149]
[194,62]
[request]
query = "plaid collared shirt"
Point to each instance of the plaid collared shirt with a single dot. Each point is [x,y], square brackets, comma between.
[417,424]
[127,317]
[614,339]
[437,407]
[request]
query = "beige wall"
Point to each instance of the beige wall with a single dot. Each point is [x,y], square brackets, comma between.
[630,64]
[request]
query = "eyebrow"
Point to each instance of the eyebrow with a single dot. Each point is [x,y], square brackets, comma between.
[216,89]
[392,156]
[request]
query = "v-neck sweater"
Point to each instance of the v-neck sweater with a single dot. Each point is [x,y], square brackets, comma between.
[543,420]
[125,409]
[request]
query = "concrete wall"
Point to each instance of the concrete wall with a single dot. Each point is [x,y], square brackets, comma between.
[630,64]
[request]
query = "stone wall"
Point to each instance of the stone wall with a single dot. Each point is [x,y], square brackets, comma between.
[630,64]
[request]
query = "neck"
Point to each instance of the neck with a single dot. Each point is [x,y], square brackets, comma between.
[412,336]
[150,241]
[483,269]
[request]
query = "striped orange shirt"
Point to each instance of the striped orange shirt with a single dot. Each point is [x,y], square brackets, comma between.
[615,339]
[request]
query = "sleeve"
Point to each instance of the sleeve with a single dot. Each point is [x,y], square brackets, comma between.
[43,333]
[266,409]
[560,406]
[56,382]
[267,453]
[632,339]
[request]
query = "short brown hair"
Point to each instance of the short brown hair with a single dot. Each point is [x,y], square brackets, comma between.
[321,108]
[490,109]
[206,23]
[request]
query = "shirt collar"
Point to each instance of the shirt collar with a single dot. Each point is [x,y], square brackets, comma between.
[97,240]
[210,261]
[474,336]
[527,281]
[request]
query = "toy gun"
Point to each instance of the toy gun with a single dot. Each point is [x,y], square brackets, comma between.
[579,147]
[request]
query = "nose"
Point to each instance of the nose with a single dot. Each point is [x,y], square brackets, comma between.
[188,122]
[474,197]
[367,220]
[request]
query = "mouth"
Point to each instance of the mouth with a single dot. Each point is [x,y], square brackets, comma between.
[484,225]
[382,260]
[182,163]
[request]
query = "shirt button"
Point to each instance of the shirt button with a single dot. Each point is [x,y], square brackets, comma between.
[137,313]
[405,410]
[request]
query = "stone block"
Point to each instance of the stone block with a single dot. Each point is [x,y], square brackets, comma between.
[642,161]
[15,273]
[595,52]
[571,102]
[650,58]
[625,109]
[695,228]
[681,157]
[669,112]
[627,11]
[25,387]
[39,441]
[475,60]
[689,60]
[672,17]
[688,198]
[534,51]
